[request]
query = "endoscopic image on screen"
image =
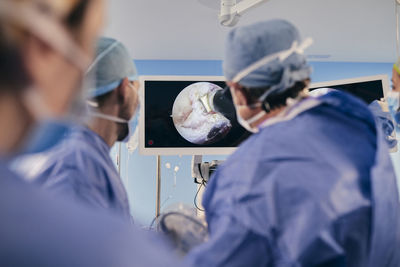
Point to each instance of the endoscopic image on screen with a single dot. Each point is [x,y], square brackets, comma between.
[178,114]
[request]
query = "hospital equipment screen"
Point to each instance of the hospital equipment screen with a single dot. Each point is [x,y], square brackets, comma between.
[173,120]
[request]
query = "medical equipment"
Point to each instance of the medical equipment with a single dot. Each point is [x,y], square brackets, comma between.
[368,88]
[173,120]
[202,171]
[182,225]
[232,10]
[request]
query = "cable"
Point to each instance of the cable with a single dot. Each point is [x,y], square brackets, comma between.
[153,221]
[195,197]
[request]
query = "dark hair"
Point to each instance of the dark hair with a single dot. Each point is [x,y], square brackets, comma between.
[102,99]
[77,15]
[13,75]
[278,100]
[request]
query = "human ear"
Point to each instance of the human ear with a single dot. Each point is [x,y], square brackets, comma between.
[124,91]
[243,97]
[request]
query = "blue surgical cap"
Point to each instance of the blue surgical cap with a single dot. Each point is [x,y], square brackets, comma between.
[112,64]
[247,45]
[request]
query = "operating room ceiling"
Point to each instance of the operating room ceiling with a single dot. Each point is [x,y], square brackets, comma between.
[343,30]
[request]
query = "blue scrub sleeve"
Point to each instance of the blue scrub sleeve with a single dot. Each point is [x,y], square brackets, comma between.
[232,245]
[70,183]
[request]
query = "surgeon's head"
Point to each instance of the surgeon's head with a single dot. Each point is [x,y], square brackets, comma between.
[396,76]
[115,92]
[264,65]
[45,45]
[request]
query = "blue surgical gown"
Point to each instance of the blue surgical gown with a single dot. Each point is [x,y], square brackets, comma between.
[38,228]
[316,190]
[385,120]
[81,168]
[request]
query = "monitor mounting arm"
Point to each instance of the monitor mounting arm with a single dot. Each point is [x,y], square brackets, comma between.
[231,10]
[201,171]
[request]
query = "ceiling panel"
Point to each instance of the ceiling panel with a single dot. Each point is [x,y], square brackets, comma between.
[343,30]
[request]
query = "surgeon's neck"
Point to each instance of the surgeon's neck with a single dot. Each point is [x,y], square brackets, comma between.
[15,123]
[106,129]
[273,113]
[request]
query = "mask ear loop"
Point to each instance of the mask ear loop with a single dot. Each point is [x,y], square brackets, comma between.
[285,54]
[282,55]
[101,56]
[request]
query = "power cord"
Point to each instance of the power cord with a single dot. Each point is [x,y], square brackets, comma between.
[195,197]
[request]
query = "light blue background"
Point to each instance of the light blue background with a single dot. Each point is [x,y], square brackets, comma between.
[138,172]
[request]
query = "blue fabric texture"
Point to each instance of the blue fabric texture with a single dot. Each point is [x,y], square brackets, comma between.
[248,44]
[45,135]
[385,120]
[397,118]
[40,229]
[317,190]
[111,65]
[80,168]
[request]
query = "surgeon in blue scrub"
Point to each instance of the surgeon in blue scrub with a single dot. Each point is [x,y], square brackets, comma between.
[81,166]
[314,184]
[39,41]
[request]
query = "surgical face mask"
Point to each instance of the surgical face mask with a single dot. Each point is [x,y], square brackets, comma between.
[290,102]
[247,123]
[132,123]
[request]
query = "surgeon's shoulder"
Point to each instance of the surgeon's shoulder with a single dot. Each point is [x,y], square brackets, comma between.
[270,142]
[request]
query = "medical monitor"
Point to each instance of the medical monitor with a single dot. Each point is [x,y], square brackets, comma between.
[368,88]
[173,121]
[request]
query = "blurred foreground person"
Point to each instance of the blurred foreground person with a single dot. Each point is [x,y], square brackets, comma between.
[314,185]
[45,48]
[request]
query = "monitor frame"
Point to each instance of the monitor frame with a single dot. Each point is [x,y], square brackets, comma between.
[220,150]
[383,77]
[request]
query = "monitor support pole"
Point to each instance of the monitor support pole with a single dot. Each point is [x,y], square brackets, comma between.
[158,187]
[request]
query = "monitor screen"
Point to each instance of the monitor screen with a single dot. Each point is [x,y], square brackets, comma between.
[174,118]
[175,121]
[366,88]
